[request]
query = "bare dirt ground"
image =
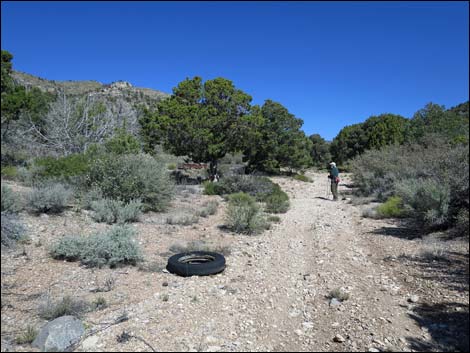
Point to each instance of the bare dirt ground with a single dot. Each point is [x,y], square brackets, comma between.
[406,292]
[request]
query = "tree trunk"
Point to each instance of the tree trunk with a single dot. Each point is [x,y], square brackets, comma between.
[212,169]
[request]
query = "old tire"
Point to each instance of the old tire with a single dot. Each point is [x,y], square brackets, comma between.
[196,263]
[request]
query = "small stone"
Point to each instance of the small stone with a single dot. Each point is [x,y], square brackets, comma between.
[380,343]
[298,332]
[372,349]
[413,299]
[338,338]
[165,284]
[334,302]
[335,324]
[211,340]
[307,325]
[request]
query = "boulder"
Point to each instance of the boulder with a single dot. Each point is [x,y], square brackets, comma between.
[59,334]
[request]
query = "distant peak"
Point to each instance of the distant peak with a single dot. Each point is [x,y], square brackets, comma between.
[120,84]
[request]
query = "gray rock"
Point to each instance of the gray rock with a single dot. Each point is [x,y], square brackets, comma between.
[338,338]
[59,334]
[414,299]
[334,302]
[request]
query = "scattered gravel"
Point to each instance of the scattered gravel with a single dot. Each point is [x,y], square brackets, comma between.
[274,292]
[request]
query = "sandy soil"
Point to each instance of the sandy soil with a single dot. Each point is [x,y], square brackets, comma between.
[406,292]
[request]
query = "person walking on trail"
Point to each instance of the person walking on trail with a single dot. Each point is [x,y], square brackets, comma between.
[334,177]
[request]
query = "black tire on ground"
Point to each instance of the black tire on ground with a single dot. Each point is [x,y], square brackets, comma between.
[196,263]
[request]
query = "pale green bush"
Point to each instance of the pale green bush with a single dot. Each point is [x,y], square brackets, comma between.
[49,198]
[243,214]
[182,219]
[432,179]
[209,208]
[9,200]
[115,211]
[12,230]
[113,248]
[428,199]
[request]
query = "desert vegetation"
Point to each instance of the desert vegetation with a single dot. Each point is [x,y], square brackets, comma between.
[71,157]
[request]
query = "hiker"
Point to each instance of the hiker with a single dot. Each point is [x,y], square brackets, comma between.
[334,176]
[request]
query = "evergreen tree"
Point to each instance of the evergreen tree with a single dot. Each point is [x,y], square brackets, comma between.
[320,152]
[202,121]
[279,143]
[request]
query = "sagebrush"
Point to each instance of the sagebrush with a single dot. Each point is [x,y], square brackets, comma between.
[9,200]
[432,179]
[113,248]
[12,229]
[116,211]
[243,214]
[49,198]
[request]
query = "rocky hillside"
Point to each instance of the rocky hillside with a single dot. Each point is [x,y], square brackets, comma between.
[97,111]
[115,89]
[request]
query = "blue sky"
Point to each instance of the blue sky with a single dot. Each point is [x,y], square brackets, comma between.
[330,63]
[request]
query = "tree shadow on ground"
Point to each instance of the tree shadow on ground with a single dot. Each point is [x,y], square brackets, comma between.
[447,322]
[444,267]
[407,229]
[448,325]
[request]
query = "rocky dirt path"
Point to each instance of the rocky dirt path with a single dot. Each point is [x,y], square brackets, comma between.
[274,293]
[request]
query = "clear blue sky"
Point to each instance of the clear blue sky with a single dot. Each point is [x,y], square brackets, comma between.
[330,63]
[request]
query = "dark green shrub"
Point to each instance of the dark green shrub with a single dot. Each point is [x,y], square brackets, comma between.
[259,187]
[113,248]
[277,201]
[243,214]
[49,198]
[12,230]
[129,177]
[393,207]
[211,188]
[64,168]
[115,211]
[9,172]
[123,143]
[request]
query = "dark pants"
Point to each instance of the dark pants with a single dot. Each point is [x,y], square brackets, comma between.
[334,190]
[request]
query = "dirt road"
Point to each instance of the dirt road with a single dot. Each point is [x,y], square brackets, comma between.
[274,293]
